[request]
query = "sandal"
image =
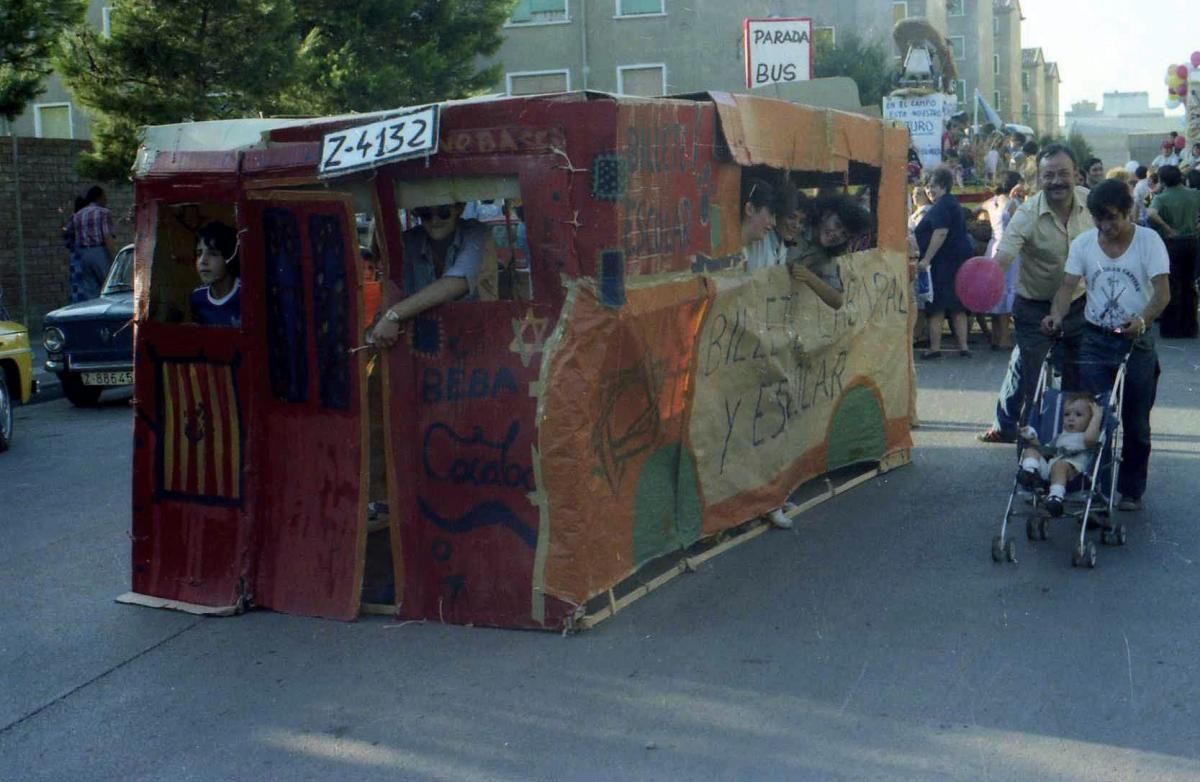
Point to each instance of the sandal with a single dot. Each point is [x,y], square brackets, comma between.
[996,436]
[931,354]
[964,353]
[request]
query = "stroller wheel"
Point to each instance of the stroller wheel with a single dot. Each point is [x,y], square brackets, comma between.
[1119,535]
[1106,538]
[1010,551]
[1077,555]
[1090,555]
[997,549]
[1031,528]
[1043,529]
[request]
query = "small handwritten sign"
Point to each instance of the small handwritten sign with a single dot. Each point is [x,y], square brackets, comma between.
[412,133]
[925,116]
[777,51]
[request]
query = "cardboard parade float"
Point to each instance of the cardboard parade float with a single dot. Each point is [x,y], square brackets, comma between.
[625,400]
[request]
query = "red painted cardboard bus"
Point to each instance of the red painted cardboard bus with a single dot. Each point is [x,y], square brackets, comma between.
[621,389]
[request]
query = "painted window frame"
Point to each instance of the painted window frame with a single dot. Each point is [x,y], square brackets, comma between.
[508,77]
[996,100]
[962,46]
[620,14]
[832,33]
[962,8]
[37,117]
[995,65]
[509,23]
[895,5]
[640,66]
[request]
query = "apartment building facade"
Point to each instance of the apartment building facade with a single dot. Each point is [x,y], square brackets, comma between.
[969,32]
[657,47]
[1007,95]
[1039,83]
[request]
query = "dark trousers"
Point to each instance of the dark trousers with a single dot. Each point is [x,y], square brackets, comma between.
[1101,354]
[1033,345]
[1178,320]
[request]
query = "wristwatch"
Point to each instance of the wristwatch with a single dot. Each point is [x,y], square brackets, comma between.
[390,315]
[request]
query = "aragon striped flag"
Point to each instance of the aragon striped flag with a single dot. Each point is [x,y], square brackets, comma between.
[201,443]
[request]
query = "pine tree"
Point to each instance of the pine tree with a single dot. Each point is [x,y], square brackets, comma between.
[175,60]
[29,33]
[869,63]
[366,55]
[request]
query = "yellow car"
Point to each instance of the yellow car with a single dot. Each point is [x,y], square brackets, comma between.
[16,375]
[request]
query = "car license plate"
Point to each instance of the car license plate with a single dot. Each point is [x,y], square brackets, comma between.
[107,378]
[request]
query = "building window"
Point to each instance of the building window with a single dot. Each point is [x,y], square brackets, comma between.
[537,82]
[52,120]
[641,8]
[954,8]
[960,90]
[995,65]
[996,100]
[647,81]
[958,46]
[106,21]
[1025,79]
[824,37]
[899,11]
[995,26]
[1025,112]
[540,12]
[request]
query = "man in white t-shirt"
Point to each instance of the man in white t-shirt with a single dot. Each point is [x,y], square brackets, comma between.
[1125,269]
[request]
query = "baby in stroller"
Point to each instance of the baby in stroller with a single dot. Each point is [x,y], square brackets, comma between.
[1070,453]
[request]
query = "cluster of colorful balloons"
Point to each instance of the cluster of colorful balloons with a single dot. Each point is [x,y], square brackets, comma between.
[1177,81]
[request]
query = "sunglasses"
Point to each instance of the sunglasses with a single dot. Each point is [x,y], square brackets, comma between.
[427,212]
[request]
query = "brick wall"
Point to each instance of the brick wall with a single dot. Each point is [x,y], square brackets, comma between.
[48,186]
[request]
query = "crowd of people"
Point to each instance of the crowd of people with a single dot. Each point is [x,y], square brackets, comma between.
[1092,258]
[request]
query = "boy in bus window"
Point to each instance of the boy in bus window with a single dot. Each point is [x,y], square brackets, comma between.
[218,301]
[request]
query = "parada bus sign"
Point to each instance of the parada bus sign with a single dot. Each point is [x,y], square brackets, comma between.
[777,50]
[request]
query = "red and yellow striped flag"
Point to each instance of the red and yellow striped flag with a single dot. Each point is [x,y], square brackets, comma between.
[202,438]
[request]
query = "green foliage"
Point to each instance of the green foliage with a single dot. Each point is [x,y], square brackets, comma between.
[869,63]
[1078,144]
[380,54]
[175,60]
[178,60]
[29,33]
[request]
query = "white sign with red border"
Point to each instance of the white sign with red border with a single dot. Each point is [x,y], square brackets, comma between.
[778,51]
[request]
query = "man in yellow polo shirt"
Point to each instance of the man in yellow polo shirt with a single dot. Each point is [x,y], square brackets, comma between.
[1040,233]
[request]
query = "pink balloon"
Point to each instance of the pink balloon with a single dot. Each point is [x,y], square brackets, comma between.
[1180,90]
[979,284]
[1196,59]
[1181,71]
[1180,143]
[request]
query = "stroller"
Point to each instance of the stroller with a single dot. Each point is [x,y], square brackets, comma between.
[1091,494]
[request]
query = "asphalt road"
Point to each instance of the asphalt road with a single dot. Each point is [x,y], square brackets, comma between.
[875,641]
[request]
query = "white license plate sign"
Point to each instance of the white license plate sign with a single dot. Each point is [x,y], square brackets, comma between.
[107,378]
[413,133]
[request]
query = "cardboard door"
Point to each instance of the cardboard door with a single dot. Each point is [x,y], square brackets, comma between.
[190,525]
[309,424]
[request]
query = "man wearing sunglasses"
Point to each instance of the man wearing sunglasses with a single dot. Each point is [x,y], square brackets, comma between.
[443,259]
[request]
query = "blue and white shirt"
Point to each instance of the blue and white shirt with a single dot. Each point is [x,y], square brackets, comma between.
[225,311]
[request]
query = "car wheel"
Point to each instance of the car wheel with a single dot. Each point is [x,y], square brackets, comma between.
[6,414]
[79,394]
